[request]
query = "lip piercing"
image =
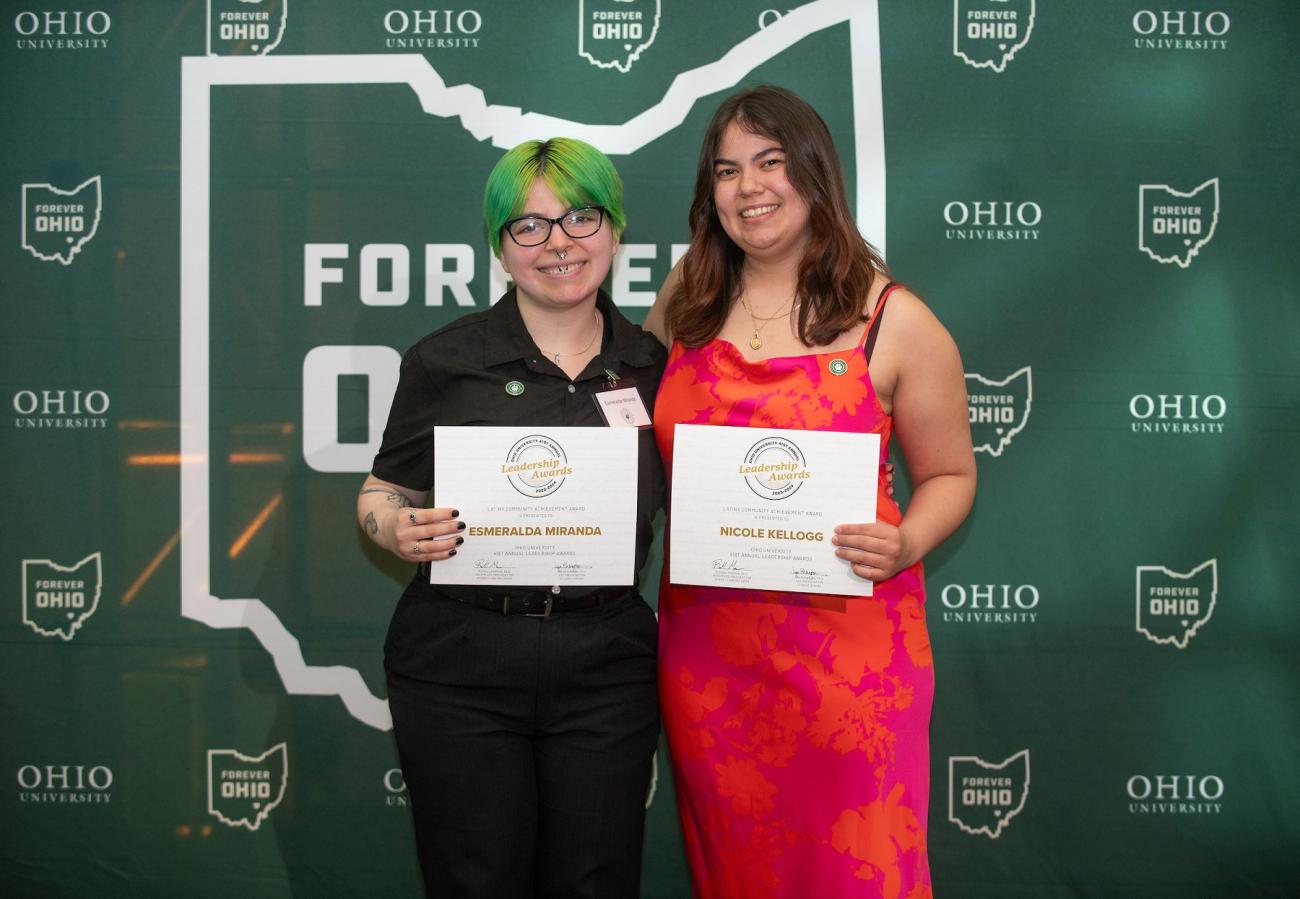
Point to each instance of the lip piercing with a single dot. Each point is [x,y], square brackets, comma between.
[562,254]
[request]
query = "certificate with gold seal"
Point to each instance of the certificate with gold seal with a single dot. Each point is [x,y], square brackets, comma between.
[755,508]
[542,507]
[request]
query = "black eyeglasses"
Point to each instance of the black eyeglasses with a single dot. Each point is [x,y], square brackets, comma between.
[533,230]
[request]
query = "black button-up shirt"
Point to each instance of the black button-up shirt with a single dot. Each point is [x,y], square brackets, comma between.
[458,375]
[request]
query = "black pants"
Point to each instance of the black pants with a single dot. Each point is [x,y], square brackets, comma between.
[526,745]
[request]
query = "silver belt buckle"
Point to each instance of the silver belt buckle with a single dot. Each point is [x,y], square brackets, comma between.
[545,613]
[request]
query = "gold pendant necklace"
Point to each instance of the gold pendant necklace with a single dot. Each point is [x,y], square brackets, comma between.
[594,335]
[756,342]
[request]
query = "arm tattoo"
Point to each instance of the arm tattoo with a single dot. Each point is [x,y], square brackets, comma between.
[371,525]
[396,499]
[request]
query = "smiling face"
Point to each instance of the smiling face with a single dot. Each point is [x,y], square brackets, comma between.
[541,277]
[757,205]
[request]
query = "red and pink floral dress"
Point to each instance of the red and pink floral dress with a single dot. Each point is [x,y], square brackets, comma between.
[798,723]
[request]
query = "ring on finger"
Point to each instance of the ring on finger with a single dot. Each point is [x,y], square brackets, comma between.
[417,549]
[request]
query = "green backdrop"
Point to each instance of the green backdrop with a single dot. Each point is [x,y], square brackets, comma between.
[227,218]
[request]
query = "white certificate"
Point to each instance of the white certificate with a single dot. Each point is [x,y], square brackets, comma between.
[756,508]
[542,506]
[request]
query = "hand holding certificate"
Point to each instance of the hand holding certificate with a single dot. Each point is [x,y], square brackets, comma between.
[756,508]
[543,506]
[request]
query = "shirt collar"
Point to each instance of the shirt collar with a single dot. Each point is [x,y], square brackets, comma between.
[508,340]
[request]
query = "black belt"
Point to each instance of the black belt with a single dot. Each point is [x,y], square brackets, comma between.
[540,603]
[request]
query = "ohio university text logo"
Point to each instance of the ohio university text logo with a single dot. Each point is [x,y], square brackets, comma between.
[992,220]
[1173,606]
[1173,225]
[1174,794]
[63,29]
[1177,413]
[58,599]
[986,34]
[990,603]
[58,223]
[432,29]
[395,793]
[243,789]
[246,27]
[998,410]
[1180,29]
[612,34]
[65,784]
[983,797]
[66,409]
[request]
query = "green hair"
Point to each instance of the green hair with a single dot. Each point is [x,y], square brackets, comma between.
[575,171]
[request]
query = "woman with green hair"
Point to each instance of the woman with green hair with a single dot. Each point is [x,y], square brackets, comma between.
[526,716]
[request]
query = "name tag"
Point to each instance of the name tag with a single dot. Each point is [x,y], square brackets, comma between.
[623,408]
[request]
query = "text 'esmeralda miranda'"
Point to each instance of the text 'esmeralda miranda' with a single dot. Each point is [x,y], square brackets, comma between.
[769,533]
[528,530]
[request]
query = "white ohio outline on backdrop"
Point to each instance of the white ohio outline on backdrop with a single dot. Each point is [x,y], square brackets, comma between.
[505,126]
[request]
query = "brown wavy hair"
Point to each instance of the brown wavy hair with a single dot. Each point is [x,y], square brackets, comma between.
[838,265]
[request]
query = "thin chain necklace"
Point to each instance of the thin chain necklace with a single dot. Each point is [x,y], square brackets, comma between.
[756,342]
[555,357]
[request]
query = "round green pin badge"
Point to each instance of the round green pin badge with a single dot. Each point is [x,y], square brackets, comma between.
[838,366]
[514,388]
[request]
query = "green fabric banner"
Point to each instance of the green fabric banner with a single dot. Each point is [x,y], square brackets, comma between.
[228,219]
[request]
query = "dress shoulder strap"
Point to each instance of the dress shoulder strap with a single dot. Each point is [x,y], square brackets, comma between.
[873,327]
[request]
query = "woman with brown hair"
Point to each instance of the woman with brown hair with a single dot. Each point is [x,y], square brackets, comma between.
[799,723]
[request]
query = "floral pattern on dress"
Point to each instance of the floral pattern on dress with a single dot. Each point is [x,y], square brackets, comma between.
[798,723]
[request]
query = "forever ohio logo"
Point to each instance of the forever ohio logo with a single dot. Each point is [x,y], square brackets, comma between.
[1174,225]
[612,34]
[59,599]
[1173,605]
[986,34]
[983,797]
[998,409]
[246,27]
[58,223]
[243,790]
